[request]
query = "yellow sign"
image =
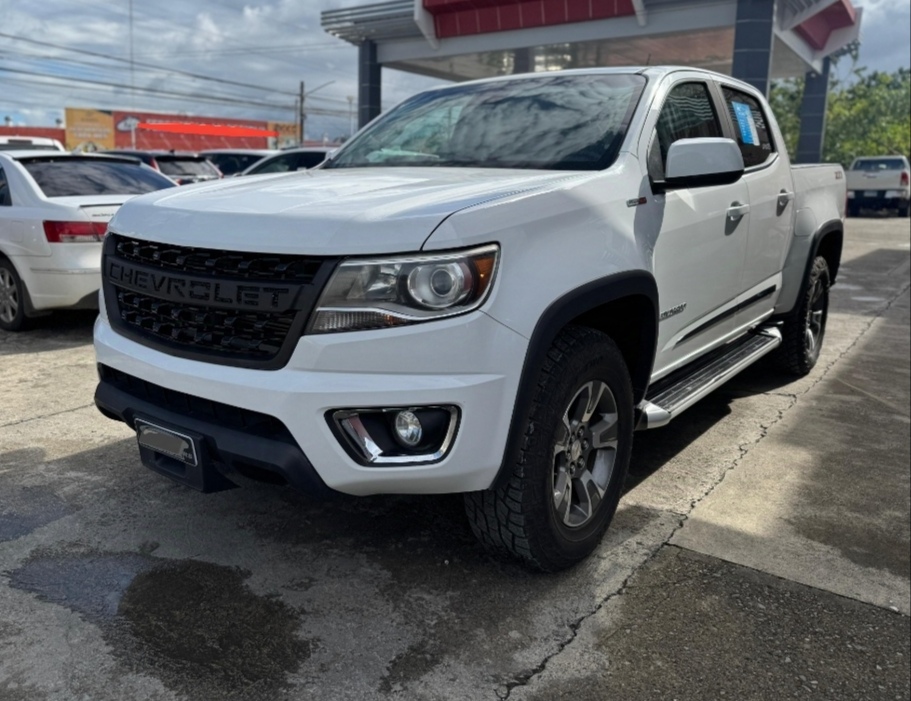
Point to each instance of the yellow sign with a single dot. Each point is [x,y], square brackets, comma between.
[86,128]
[287,134]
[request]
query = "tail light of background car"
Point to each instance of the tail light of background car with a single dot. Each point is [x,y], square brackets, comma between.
[905,178]
[74,231]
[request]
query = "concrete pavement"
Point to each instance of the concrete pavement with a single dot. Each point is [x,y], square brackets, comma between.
[761,547]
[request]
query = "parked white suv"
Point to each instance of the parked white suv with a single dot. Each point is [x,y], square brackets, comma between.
[486,291]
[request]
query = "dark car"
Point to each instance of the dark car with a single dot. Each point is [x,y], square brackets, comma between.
[290,160]
[182,167]
[233,161]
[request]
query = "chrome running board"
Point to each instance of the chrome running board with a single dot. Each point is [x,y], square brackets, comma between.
[684,391]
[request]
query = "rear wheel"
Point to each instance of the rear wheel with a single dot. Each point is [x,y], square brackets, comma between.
[904,209]
[805,329]
[853,209]
[12,298]
[563,489]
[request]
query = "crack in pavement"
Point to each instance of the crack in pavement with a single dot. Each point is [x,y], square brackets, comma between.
[46,416]
[526,677]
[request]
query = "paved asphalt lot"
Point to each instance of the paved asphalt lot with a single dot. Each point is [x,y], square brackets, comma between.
[761,551]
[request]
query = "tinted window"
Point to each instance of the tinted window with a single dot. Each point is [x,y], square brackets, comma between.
[5,200]
[309,160]
[289,162]
[231,163]
[750,127]
[554,122]
[687,113]
[75,177]
[185,166]
[278,164]
[876,164]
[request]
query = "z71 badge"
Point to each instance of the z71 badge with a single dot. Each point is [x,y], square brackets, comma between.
[672,311]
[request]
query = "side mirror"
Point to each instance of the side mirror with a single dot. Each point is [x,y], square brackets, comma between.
[702,162]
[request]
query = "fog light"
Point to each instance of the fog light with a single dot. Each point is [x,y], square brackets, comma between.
[408,429]
[396,435]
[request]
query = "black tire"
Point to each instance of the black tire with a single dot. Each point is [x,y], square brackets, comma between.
[853,210]
[805,328]
[12,299]
[559,454]
[904,210]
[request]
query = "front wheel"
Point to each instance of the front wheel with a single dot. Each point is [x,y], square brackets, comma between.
[12,298]
[805,328]
[563,489]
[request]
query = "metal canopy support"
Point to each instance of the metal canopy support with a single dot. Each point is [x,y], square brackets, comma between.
[813,115]
[754,35]
[369,83]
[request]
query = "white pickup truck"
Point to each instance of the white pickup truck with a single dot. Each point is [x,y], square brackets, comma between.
[486,291]
[879,182]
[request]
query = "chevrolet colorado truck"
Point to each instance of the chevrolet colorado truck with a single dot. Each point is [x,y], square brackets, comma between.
[486,291]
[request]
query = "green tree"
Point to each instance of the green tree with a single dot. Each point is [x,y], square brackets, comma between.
[869,115]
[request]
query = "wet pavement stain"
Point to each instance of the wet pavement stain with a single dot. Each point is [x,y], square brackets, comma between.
[194,625]
[91,584]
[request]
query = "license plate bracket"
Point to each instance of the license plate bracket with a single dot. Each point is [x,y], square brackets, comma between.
[168,442]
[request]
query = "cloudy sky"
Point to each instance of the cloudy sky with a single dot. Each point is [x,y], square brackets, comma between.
[54,53]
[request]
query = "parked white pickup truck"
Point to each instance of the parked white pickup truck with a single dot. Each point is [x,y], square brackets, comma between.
[486,291]
[879,182]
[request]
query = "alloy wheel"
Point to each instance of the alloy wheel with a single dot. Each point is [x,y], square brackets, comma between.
[585,450]
[9,296]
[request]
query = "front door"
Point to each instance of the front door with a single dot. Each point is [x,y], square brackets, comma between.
[699,236]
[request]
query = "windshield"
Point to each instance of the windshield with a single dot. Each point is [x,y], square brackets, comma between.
[552,122]
[74,177]
[875,164]
[185,166]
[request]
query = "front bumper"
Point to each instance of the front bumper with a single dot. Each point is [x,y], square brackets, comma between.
[471,362]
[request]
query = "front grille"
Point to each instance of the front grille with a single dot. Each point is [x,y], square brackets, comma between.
[214,305]
[220,264]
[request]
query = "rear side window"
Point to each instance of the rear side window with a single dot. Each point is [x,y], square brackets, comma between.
[74,177]
[5,199]
[687,113]
[750,126]
[877,164]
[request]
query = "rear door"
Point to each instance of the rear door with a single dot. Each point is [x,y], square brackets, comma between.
[699,233]
[771,198]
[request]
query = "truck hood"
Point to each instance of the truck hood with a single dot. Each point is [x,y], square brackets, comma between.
[322,212]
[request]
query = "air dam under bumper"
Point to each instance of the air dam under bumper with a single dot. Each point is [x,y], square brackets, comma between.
[229,441]
[471,362]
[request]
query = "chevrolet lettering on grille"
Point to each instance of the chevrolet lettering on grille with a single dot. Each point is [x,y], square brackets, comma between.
[224,294]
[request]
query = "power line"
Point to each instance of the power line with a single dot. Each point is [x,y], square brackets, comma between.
[154,91]
[146,65]
[171,93]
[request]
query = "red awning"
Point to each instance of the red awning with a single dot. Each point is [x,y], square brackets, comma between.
[205,129]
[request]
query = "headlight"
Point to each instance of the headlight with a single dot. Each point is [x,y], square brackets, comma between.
[382,293]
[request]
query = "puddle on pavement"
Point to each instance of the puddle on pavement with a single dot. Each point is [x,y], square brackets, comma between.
[193,625]
[26,508]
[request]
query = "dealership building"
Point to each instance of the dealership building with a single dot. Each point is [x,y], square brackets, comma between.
[756,41]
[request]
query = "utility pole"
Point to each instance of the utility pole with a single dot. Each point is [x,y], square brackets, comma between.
[301,117]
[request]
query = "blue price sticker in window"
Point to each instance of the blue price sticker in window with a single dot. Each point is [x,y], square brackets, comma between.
[745,123]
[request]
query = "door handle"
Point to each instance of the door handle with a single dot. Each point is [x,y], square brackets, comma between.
[784,197]
[737,210]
